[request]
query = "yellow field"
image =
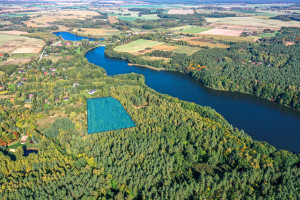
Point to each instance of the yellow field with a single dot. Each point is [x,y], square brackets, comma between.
[21,49]
[253,21]
[97,31]
[50,17]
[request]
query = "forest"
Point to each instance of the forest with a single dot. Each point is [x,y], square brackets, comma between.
[266,68]
[178,150]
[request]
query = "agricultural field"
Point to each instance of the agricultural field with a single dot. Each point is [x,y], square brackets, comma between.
[185,49]
[50,17]
[180,11]
[195,30]
[202,41]
[42,35]
[230,38]
[137,46]
[253,21]
[21,49]
[224,32]
[97,31]
[135,16]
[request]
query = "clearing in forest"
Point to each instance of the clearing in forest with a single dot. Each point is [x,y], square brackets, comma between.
[106,114]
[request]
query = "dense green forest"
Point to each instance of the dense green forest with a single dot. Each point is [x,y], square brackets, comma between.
[178,150]
[267,68]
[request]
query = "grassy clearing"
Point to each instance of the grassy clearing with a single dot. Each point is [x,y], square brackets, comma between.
[185,49]
[136,46]
[195,30]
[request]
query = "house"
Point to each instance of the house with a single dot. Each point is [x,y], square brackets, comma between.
[24,79]
[75,84]
[21,71]
[53,69]
[45,73]
[19,84]
[24,139]
[66,98]
[30,96]
[2,87]
[92,91]
[1,55]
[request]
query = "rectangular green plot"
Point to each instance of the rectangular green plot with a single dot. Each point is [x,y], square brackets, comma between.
[107,114]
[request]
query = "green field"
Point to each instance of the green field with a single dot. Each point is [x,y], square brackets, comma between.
[268,34]
[6,37]
[195,30]
[185,49]
[137,46]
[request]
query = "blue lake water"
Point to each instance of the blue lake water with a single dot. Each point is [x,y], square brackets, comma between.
[72,37]
[262,119]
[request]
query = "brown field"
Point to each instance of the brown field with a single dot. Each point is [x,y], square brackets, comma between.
[231,38]
[201,41]
[13,32]
[26,45]
[21,49]
[161,47]
[113,19]
[96,31]
[180,12]
[50,17]
[16,61]
[152,58]
[224,32]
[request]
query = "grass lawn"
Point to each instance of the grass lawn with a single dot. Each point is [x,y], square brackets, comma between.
[196,30]
[137,46]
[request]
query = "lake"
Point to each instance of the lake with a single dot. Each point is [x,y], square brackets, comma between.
[262,119]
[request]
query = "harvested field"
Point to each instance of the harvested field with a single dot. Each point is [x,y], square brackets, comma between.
[152,58]
[230,38]
[113,19]
[97,31]
[137,46]
[252,21]
[201,41]
[180,11]
[164,47]
[27,50]
[21,49]
[50,17]
[225,32]
[13,32]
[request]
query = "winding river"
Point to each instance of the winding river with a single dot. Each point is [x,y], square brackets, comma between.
[262,119]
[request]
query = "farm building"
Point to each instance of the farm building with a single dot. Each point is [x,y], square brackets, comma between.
[2,87]
[24,139]
[92,91]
